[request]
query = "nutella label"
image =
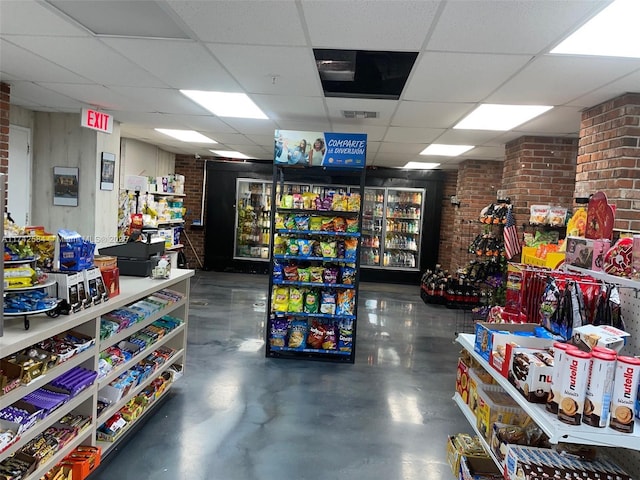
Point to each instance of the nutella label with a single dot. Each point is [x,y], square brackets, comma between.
[599,387]
[573,387]
[625,389]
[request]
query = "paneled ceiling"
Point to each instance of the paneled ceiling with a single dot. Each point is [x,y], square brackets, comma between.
[131,58]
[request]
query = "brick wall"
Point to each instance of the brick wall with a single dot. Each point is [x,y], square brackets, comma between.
[609,156]
[449,187]
[5,92]
[539,171]
[193,171]
[477,184]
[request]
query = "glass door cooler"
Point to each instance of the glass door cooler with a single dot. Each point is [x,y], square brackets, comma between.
[372,227]
[403,221]
[253,221]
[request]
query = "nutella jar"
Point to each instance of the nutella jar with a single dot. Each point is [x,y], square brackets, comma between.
[573,386]
[625,390]
[559,349]
[598,395]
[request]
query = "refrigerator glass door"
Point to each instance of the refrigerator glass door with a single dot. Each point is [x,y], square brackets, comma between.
[402,234]
[372,227]
[253,222]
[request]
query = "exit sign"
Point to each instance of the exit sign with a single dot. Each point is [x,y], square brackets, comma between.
[100,121]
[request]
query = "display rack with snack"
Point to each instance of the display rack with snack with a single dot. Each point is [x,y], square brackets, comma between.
[315,255]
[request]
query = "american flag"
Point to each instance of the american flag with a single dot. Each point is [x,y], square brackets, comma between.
[511,242]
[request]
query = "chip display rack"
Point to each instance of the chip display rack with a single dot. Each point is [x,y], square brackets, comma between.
[319,321]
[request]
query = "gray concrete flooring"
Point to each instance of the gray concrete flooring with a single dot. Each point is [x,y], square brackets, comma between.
[236,415]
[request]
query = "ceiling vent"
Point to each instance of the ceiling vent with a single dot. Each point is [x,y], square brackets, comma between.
[358,114]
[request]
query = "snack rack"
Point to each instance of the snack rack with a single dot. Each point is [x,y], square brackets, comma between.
[341,180]
[3,179]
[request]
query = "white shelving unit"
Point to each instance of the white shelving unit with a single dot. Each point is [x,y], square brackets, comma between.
[554,428]
[87,322]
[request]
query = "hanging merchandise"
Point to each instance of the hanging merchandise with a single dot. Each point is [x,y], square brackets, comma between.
[608,311]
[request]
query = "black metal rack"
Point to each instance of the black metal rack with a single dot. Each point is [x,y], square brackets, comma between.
[354,179]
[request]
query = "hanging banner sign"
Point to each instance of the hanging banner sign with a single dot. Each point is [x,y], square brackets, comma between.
[310,149]
[95,120]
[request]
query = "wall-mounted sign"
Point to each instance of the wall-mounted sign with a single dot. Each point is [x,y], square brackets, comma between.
[135,183]
[107,171]
[338,150]
[95,120]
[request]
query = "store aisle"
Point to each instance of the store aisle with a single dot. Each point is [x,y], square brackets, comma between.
[236,415]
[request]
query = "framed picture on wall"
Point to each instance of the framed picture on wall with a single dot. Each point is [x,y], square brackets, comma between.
[107,171]
[65,186]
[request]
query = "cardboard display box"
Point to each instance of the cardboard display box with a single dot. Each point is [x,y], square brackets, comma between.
[588,336]
[530,371]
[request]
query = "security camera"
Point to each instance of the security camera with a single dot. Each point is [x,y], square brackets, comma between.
[197,156]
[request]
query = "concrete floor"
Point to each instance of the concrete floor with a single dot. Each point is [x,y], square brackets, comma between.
[236,415]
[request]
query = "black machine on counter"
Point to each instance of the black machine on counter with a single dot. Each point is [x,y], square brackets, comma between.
[137,258]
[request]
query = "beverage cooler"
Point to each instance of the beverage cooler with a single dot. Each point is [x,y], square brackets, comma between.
[253,219]
[392,228]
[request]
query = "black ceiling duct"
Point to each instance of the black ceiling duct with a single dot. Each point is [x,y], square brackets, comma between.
[363,73]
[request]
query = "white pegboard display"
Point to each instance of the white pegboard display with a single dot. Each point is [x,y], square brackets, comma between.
[630,303]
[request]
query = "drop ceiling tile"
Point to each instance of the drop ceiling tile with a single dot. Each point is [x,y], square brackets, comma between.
[262,140]
[304,125]
[628,83]
[233,139]
[384,109]
[467,137]
[249,22]
[558,79]
[28,66]
[485,153]
[460,77]
[251,125]
[115,17]
[374,133]
[146,121]
[281,107]
[28,17]
[253,151]
[366,25]
[430,114]
[557,121]
[95,95]
[255,66]
[28,93]
[163,100]
[410,149]
[91,59]
[203,123]
[190,67]
[412,135]
[527,26]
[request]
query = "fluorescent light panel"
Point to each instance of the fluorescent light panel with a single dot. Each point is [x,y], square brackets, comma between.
[186,135]
[446,150]
[229,154]
[500,117]
[224,104]
[421,165]
[611,33]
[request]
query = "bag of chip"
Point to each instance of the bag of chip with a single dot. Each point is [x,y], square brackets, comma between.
[298,202]
[353,202]
[309,198]
[339,224]
[328,303]
[347,275]
[345,335]
[316,335]
[280,301]
[279,220]
[315,224]
[329,249]
[346,302]
[338,202]
[304,274]
[278,332]
[277,272]
[286,201]
[352,225]
[297,334]
[305,247]
[292,247]
[331,274]
[311,301]
[279,245]
[302,222]
[539,214]
[290,222]
[295,300]
[291,273]
[330,337]
[327,224]
[350,248]
[316,274]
